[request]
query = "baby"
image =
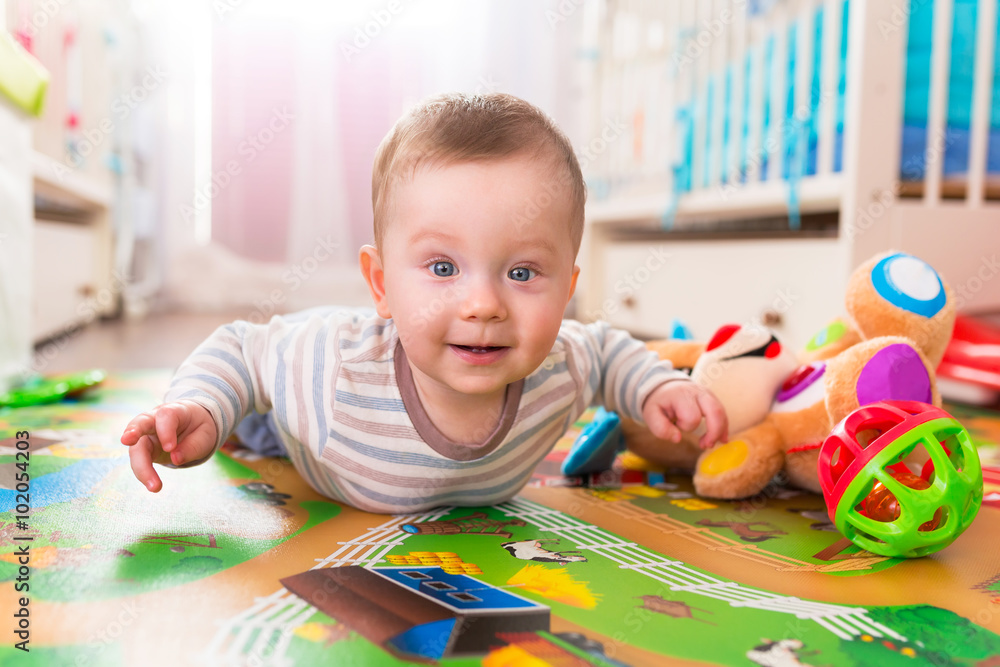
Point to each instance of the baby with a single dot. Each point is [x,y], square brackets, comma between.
[467,375]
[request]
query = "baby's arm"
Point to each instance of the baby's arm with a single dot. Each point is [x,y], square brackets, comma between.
[621,373]
[178,434]
[212,390]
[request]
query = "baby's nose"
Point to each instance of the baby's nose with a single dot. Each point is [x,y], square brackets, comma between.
[483,302]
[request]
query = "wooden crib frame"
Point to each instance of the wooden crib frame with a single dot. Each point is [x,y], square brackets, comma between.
[875,211]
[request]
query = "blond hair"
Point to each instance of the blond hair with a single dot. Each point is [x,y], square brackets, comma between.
[457,127]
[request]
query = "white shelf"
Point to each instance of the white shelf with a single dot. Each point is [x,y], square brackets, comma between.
[59,182]
[817,194]
[72,232]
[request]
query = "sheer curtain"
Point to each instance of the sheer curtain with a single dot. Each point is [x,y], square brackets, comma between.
[302,93]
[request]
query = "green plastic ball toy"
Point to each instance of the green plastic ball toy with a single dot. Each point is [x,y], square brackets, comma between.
[882,506]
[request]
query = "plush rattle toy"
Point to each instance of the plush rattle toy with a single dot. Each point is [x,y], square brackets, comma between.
[899,318]
[877,502]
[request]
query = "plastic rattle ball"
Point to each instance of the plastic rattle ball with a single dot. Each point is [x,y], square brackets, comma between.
[881,505]
[889,506]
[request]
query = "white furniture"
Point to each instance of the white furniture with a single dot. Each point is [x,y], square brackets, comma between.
[73,280]
[793,279]
[15,244]
[80,165]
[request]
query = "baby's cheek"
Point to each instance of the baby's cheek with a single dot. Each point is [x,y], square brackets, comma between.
[542,345]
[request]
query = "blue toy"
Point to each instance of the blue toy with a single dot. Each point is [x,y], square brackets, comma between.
[595,449]
[679,330]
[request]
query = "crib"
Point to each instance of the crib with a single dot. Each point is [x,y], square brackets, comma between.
[773,145]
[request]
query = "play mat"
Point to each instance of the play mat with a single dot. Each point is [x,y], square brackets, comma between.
[239,562]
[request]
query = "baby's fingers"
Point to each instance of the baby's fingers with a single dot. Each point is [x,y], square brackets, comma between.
[688,413]
[140,425]
[141,460]
[662,427]
[167,421]
[716,422]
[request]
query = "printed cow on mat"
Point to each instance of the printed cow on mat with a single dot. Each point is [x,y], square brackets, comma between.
[533,550]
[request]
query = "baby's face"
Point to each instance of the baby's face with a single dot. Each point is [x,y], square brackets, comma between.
[478,269]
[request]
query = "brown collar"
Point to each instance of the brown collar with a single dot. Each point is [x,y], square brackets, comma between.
[430,434]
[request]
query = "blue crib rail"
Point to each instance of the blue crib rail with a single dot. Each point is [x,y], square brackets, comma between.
[800,135]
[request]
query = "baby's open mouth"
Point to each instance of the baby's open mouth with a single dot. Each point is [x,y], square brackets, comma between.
[479,349]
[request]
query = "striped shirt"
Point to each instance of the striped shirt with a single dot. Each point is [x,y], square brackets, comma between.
[346,408]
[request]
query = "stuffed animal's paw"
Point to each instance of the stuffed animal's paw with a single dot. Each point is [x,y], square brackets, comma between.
[741,467]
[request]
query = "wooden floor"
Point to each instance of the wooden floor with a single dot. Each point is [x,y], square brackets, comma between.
[160,340]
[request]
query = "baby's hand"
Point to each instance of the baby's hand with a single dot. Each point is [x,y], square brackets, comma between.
[170,434]
[678,406]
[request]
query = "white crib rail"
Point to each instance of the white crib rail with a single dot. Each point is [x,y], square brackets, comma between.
[981,101]
[937,110]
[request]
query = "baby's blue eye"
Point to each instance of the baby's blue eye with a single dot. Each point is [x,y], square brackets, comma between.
[443,269]
[521,273]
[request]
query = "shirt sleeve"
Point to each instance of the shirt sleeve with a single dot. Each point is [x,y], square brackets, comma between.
[612,368]
[229,374]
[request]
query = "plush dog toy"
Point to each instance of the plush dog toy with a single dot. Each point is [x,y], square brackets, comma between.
[899,319]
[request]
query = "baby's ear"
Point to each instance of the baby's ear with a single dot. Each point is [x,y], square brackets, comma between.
[572,282]
[371,269]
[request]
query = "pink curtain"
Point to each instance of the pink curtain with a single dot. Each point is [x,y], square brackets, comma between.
[309,184]
[253,66]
